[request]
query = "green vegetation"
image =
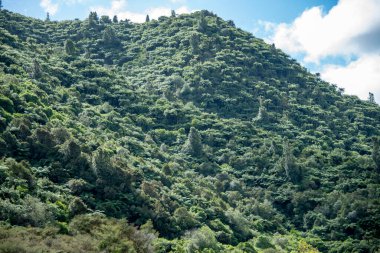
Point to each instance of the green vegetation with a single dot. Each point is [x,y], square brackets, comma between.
[182,134]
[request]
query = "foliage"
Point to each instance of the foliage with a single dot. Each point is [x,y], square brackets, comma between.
[201,136]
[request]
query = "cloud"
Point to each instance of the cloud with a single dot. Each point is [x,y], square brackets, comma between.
[351,27]
[264,29]
[178,1]
[357,78]
[348,32]
[73,2]
[119,8]
[184,10]
[49,6]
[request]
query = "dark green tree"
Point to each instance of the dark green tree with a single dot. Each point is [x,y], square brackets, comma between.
[231,23]
[193,144]
[77,206]
[173,14]
[147,19]
[183,218]
[371,98]
[69,47]
[105,19]
[185,90]
[101,163]
[36,70]
[115,19]
[47,17]
[93,19]
[70,150]
[202,23]
[376,153]
[194,43]
[109,36]
[1,5]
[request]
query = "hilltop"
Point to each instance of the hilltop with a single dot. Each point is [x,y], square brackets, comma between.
[182,134]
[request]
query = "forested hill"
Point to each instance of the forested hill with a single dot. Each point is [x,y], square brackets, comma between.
[182,134]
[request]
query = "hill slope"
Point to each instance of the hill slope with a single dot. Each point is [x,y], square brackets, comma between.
[199,134]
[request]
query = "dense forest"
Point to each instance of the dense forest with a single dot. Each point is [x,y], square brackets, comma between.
[182,134]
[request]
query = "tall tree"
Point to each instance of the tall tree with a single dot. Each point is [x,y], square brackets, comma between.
[202,23]
[371,98]
[47,17]
[109,36]
[69,47]
[115,19]
[376,153]
[101,163]
[293,173]
[194,43]
[193,144]
[36,71]
[173,14]
[147,19]
[93,19]
[1,5]
[287,157]
[105,19]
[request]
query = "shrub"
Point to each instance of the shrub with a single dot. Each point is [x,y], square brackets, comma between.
[77,206]
[263,242]
[30,211]
[11,247]
[201,239]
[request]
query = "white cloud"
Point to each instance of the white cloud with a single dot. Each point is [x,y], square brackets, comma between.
[178,1]
[49,6]
[357,78]
[349,30]
[119,8]
[52,8]
[183,10]
[72,2]
[157,12]
[341,31]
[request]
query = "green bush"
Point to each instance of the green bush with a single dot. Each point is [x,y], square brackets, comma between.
[202,239]
[263,242]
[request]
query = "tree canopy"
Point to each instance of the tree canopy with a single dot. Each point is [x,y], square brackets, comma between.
[182,134]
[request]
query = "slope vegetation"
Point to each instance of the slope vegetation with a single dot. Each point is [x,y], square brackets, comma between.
[184,134]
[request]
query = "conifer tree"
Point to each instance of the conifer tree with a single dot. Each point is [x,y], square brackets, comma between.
[202,23]
[115,19]
[194,42]
[101,163]
[193,144]
[1,5]
[47,17]
[109,36]
[287,157]
[173,14]
[93,19]
[147,19]
[376,153]
[371,97]
[36,71]
[104,19]
[186,90]
[69,47]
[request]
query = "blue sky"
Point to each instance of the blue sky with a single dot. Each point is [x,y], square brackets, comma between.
[338,38]
[243,12]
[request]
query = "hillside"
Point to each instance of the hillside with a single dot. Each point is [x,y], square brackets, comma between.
[184,134]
